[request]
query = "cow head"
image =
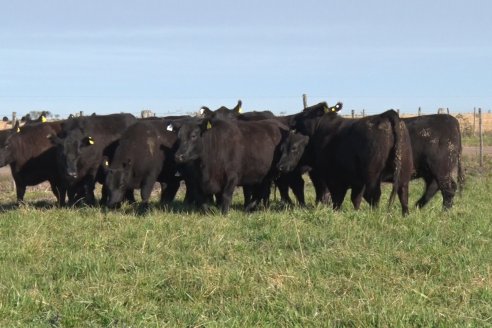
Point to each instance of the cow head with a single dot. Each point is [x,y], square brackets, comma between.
[307,121]
[190,140]
[222,113]
[70,150]
[117,181]
[292,150]
[7,143]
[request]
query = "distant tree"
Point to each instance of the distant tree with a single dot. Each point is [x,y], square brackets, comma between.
[5,119]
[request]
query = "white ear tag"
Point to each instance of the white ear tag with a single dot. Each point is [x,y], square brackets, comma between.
[169,127]
[202,111]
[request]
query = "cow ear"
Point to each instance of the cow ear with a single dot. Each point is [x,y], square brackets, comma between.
[16,127]
[238,107]
[338,107]
[88,141]
[55,140]
[206,125]
[205,111]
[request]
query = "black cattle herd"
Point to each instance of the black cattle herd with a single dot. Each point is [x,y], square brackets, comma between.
[219,150]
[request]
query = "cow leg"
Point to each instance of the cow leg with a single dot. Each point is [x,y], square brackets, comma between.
[227,193]
[373,193]
[169,193]
[283,187]
[337,197]
[431,188]
[145,192]
[130,196]
[59,191]
[89,186]
[20,191]
[104,196]
[297,186]
[356,196]
[403,196]
[448,189]
[75,195]
[248,195]
[320,188]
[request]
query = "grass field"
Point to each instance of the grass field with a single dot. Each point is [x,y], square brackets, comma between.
[281,267]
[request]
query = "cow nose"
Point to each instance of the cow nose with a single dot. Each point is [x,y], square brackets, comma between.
[72,174]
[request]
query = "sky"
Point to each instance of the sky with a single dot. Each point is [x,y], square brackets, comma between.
[175,56]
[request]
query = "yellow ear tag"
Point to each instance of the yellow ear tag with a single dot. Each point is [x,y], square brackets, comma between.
[327,109]
[43,119]
[240,110]
[18,130]
[91,141]
[209,125]
[333,109]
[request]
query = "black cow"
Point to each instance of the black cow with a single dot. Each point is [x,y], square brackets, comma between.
[144,155]
[292,179]
[82,146]
[225,113]
[230,154]
[31,157]
[356,154]
[436,147]
[41,119]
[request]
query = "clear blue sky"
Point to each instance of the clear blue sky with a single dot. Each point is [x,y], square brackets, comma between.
[175,56]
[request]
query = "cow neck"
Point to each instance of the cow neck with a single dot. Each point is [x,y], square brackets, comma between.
[330,127]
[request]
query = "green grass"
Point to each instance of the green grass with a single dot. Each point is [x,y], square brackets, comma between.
[475,140]
[282,267]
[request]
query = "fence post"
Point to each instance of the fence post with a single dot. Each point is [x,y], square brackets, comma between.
[304,100]
[419,113]
[363,112]
[474,119]
[398,111]
[480,135]
[447,109]
[353,113]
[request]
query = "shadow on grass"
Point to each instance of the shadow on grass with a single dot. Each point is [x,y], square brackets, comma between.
[38,205]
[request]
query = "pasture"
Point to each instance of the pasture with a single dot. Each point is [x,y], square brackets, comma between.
[278,267]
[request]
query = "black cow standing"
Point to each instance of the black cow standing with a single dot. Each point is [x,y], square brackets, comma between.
[357,154]
[28,120]
[436,147]
[144,155]
[283,181]
[31,157]
[224,113]
[82,146]
[230,154]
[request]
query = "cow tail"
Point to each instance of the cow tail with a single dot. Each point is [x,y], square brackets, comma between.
[397,151]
